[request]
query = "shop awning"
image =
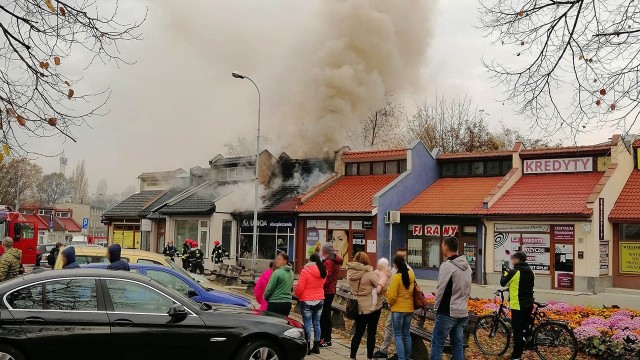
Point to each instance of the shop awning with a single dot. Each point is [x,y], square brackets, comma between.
[347,194]
[548,194]
[452,196]
[627,207]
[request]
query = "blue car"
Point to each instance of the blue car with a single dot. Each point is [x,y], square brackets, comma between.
[183,283]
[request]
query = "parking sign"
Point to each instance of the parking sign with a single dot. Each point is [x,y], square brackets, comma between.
[85,223]
[51,222]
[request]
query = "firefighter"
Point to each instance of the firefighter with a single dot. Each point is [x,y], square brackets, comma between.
[170,250]
[218,253]
[196,259]
[186,247]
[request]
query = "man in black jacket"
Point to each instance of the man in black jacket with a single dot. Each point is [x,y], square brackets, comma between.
[53,254]
[520,281]
[114,252]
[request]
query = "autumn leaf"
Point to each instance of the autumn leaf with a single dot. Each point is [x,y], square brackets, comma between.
[53,121]
[5,149]
[21,121]
[56,60]
[603,92]
[70,93]
[598,102]
[50,5]
[63,11]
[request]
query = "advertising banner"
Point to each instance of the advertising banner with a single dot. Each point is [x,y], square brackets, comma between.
[537,247]
[563,266]
[630,257]
[567,165]
[604,258]
[564,233]
[504,244]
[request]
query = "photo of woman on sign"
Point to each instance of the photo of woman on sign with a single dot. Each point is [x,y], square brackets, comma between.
[340,240]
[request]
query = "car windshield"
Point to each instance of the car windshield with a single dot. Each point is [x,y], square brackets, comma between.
[179,269]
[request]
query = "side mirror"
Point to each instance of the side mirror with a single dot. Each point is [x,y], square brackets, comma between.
[191,293]
[177,310]
[17,231]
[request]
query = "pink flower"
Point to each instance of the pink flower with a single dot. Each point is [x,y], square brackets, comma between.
[585,332]
[491,306]
[596,322]
[621,316]
[626,336]
[560,307]
[626,324]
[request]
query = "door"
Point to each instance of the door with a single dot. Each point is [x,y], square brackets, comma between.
[62,314]
[141,328]
[470,251]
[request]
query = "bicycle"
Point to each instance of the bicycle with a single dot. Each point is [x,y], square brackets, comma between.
[551,339]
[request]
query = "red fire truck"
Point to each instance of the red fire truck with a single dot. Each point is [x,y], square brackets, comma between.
[23,232]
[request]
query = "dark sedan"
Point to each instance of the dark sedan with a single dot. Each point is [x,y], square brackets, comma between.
[103,314]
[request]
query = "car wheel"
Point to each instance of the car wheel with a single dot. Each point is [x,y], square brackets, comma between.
[9,353]
[258,350]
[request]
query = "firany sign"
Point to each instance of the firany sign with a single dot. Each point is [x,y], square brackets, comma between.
[434,230]
[565,165]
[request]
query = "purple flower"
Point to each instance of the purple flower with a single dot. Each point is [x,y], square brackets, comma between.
[585,332]
[491,306]
[596,322]
[560,307]
[627,324]
[621,316]
[624,313]
[626,336]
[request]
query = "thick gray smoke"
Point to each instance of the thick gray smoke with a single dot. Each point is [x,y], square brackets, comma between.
[361,49]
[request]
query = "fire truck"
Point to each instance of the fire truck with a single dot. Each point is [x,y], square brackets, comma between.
[23,232]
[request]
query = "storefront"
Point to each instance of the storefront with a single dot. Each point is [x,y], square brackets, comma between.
[275,235]
[625,217]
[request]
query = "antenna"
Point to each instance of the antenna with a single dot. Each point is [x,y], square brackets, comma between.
[63,163]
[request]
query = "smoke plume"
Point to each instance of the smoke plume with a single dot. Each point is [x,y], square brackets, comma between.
[363,48]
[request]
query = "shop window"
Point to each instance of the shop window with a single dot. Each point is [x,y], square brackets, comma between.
[364,168]
[630,231]
[462,169]
[424,253]
[246,245]
[226,234]
[352,169]
[391,167]
[448,169]
[477,168]
[185,229]
[403,165]
[378,168]
[494,168]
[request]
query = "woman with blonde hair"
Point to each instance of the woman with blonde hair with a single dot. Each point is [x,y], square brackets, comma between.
[363,282]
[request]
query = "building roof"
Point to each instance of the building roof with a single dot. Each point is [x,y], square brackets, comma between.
[161,200]
[69,224]
[567,151]
[196,201]
[347,194]
[287,205]
[627,207]
[42,225]
[375,154]
[281,194]
[233,160]
[162,174]
[131,206]
[476,155]
[452,196]
[548,194]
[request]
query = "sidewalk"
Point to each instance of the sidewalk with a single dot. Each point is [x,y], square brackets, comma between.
[339,351]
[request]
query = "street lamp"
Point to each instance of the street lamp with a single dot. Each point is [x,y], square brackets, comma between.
[254,253]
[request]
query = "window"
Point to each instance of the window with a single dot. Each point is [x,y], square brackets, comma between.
[352,169]
[152,183]
[148,262]
[40,212]
[267,246]
[462,169]
[88,259]
[391,167]
[223,175]
[403,165]
[186,229]
[204,224]
[477,168]
[71,294]
[506,166]
[132,297]
[249,172]
[63,215]
[232,174]
[40,236]
[378,168]
[364,168]
[28,298]
[630,231]
[226,234]
[448,169]
[494,167]
[432,252]
[171,281]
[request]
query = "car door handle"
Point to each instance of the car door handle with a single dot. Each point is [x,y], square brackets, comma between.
[33,320]
[122,323]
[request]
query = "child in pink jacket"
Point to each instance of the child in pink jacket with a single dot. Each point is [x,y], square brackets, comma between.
[261,285]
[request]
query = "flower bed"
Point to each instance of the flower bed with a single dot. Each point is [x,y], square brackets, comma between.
[604,333]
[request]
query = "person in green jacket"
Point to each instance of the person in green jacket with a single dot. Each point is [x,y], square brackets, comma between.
[278,291]
[10,261]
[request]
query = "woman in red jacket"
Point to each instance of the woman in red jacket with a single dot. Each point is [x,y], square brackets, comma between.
[332,262]
[310,294]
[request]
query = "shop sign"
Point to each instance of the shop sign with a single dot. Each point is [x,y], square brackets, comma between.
[630,257]
[604,258]
[318,224]
[372,246]
[339,224]
[565,165]
[564,232]
[367,224]
[269,223]
[359,239]
[362,224]
[538,251]
[504,244]
[520,228]
[434,230]
[601,220]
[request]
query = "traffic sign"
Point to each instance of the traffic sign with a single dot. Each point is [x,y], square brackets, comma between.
[51,222]
[85,223]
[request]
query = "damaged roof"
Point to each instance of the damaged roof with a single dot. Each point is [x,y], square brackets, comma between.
[196,201]
[131,206]
[160,201]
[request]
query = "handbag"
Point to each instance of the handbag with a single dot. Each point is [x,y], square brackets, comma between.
[419,300]
[352,305]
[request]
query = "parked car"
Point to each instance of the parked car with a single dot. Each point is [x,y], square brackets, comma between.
[183,283]
[98,254]
[110,313]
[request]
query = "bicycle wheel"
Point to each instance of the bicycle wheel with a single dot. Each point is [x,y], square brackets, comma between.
[554,340]
[492,336]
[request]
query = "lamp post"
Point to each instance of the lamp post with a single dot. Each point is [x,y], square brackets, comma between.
[254,253]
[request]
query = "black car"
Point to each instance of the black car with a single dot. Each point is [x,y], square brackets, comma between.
[102,314]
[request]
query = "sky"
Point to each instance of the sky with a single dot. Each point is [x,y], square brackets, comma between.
[178,104]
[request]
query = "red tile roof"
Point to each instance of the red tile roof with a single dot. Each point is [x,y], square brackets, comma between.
[627,207]
[548,194]
[476,155]
[288,205]
[375,154]
[452,196]
[567,151]
[348,194]
[42,225]
[69,224]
